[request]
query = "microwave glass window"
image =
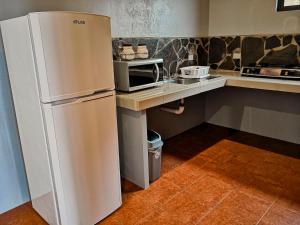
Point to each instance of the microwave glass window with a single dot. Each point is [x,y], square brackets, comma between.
[145,74]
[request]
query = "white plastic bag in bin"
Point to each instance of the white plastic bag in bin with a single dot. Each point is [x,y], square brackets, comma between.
[156,153]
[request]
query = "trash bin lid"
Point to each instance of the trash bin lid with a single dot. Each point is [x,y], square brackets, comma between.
[152,136]
[154,139]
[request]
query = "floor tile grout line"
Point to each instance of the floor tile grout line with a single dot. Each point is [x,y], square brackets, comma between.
[268,209]
[161,206]
[183,190]
[156,206]
[197,179]
[286,207]
[213,208]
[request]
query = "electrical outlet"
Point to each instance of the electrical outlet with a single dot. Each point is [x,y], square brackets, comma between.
[191,57]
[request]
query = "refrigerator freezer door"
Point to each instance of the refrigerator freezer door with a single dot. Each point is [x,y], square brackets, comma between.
[84,149]
[73,54]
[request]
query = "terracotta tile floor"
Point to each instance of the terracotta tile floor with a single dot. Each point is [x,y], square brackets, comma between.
[211,175]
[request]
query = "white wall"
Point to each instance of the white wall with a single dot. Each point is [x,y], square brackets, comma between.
[13,184]
[168,18]
[169,125]
[246,17]
[267,113]
[130,18]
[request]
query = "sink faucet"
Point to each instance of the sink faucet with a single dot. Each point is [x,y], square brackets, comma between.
[169,71]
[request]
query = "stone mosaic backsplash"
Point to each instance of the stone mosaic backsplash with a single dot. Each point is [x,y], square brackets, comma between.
[174,51]
[227,53]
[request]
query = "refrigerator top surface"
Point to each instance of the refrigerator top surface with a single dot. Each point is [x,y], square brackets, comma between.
[73,54]
[68,12]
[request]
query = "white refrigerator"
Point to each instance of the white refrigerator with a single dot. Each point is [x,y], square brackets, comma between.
[61,73]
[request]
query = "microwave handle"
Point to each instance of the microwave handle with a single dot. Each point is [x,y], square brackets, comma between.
[157,72]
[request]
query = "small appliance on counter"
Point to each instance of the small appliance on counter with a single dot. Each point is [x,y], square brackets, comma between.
[138,74]
[291,72]
[194,72]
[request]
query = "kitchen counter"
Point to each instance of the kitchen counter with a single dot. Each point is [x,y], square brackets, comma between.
[234,79]
[132,114]
[169,92]
[165,93]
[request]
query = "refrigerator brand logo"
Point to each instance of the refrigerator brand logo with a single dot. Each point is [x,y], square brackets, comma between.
[78,21]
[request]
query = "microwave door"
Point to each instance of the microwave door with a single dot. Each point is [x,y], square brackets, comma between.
[143,75]
[146,73]
[157,72]
[73,54]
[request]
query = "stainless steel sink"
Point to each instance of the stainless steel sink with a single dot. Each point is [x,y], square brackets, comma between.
[192,80]
[186,81]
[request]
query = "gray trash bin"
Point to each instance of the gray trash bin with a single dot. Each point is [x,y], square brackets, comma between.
[154,154]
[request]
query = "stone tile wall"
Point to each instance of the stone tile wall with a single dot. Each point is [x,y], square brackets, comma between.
[228,53]
[174,51]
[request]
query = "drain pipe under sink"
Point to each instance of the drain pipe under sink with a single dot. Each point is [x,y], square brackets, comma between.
[177,111]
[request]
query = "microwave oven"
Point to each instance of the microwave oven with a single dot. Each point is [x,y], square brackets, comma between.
[138,74]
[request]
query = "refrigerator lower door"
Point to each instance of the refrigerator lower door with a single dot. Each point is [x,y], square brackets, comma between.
[84,151]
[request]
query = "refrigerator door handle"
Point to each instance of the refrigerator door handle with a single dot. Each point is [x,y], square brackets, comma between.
[95,96]
[82,99]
